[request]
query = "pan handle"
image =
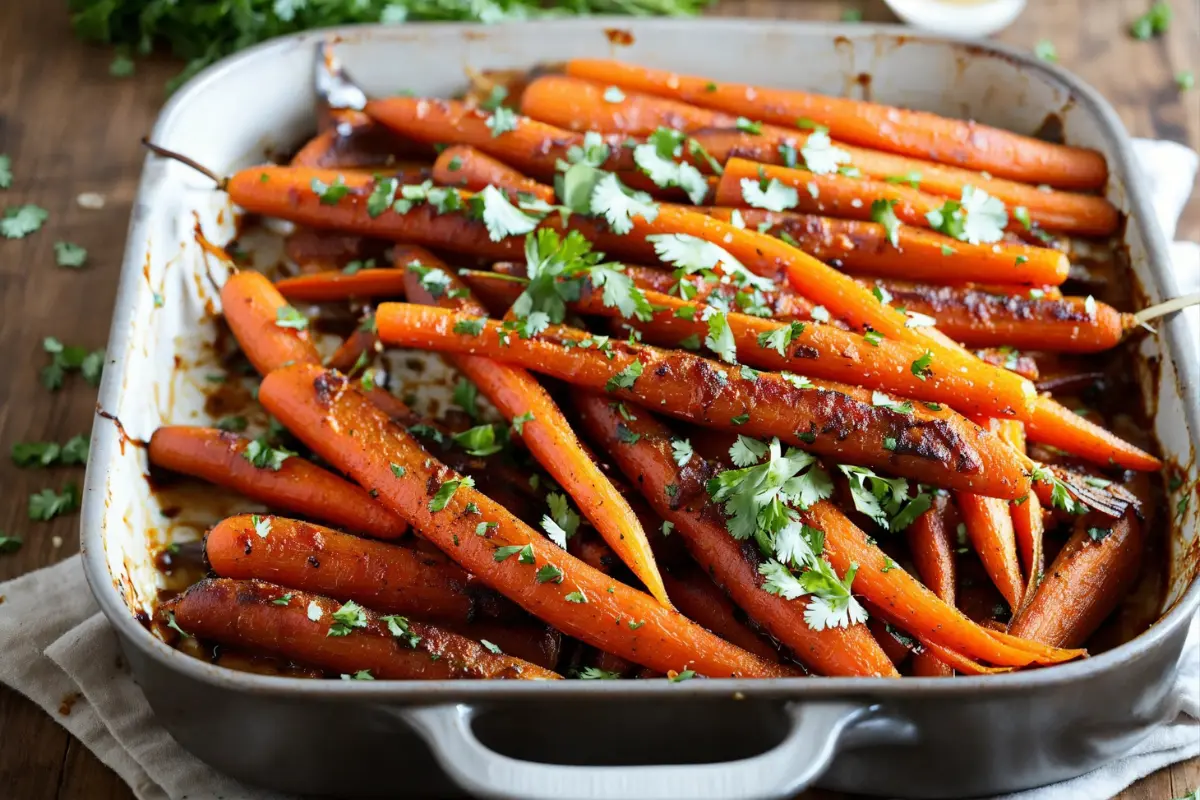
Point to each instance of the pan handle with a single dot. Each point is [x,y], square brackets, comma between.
[789,767]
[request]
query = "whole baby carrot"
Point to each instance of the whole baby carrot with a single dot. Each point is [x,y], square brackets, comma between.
[324,287]
[990,528]
[469,168]
[339,423]
[270,331]
[931,541]
[702,601]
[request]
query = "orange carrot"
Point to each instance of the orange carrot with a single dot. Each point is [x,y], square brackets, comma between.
[934,446]
[548,435]
[914,133]
[582,105]
[920,255]
[528,145]
[931,540]
[1060,427]
[1028,525]
[475,170]
[255,615]
[990,527]
[648,460]
[355,140]
[324,287]
[910,606]
[297,486]
[1090,575]
[702,601]
[947,661]
[321,251]
[340,424]
[254,308]
[356,351]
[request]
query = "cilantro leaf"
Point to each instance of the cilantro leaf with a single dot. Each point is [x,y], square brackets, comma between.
[398,627]
[479,441]
[681,451]
[883,212]
[69,255]
[921,367]
[6,175]
[720,338]
[48,504]
[779,339]
[625,378]
[351,615]
[618,205]
[20,221]
[262,455]
[597,674]
[773,195]
[986,217]
[692,255]
[502,120]
[501,217]
[383,193]
[820,155]
[885,500]
[328,194]
[288,317]
[757,497]
[447,490]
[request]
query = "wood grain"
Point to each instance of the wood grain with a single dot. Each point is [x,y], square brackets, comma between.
[70,128]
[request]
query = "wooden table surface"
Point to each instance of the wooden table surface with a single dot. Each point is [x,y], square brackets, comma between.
[70,128]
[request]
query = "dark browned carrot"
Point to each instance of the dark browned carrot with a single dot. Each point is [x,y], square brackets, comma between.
[340,424]
[469,168]
[914,133]
[270,331]
[319,251]
[990,528]
[702,601]
[1088,578]
[297,486]
[256,615]
[932,445]
[324,287]
[355,351]
[649,462]
[931,541]
[352,139]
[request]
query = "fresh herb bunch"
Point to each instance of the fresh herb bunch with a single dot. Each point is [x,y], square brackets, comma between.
[202,31]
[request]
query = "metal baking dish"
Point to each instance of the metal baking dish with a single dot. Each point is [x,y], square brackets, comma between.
[647,739]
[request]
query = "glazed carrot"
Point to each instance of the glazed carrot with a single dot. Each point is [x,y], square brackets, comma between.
[920,255]
[549,436]
[253,309]
[383,577]
[582,105]
[256,615]
[1026,513]
[1090,575]
[1015,361]
[910,606]
[649,462]
[702,601]
[945,661]
[990,528]
[896,651]
[356,351]
[977,317]
[340,424]
[320,251]
[287,193]
[325,287]
[1060,427]
[931,541]
[934,446]
[528,145]
[298,486]
[355,140]
[914,133]
[475,170]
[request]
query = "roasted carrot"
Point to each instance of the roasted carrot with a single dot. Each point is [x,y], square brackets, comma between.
[934,656]
[910,606]
[920,255]
[297,486]
[1022,364]
[355,140]
[990,528]
[914,133]
[702,601]
[324,287]
[256,615]
[338,422]
[254,309]
[356,351]
[1026,513]
[528,145]
[1057,426]
[931,541]
[932,445]
[383,577]
[1088,578]
[475,170]
[896,650]
[320,251]
[648,460]
[582,105]
[979,317]
[548,435]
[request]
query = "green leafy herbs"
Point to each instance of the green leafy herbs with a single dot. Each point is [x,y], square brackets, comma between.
[502,120]
[1154,22]
[769,194]
[232,424]
[383,193]
[720,338]
[1060,496]
[659,160]
[501,217]
[748,126]
[597,674]
[1098,534]
[70,255]
[977,218]
[548,573]
[888,501]
[48,504]
[288,317]
[20,221]
[64,359]
[882,400]
[121,66]
[6,175]
[348,617]
[852,15]
[625,378]
[1185,80]
[922,366]
[618,204]
[562,521]
[174,625]
[912,178]
[575,597]
[328,194]
[613,94]
[681,451]
[883,212]
[466,395]
[46,454]
[262,525]
[691,255]
[1045,50]
[779,339]
[446,491]
[263,455]
[9,544]
[482,440]
[399,627]
[821,156]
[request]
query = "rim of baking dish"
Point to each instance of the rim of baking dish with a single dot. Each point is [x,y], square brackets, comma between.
[105,437]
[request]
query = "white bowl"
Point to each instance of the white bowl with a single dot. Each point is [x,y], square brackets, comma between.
[968,18]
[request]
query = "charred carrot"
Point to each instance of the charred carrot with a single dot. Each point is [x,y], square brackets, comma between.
[863,248]
[319,251]
[1092,572]
[932,445]
[913,133]
[1026,513]
[295,485]
[339,423]
[270,331]
[256,615]
[1057,426]
[528,145]
[472,169]
[582,105]
[548,434]
[325,287]
[990,528]
[702,601]
[931,541]
[355,352]
[979,317]
[910,606]
[648,460]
